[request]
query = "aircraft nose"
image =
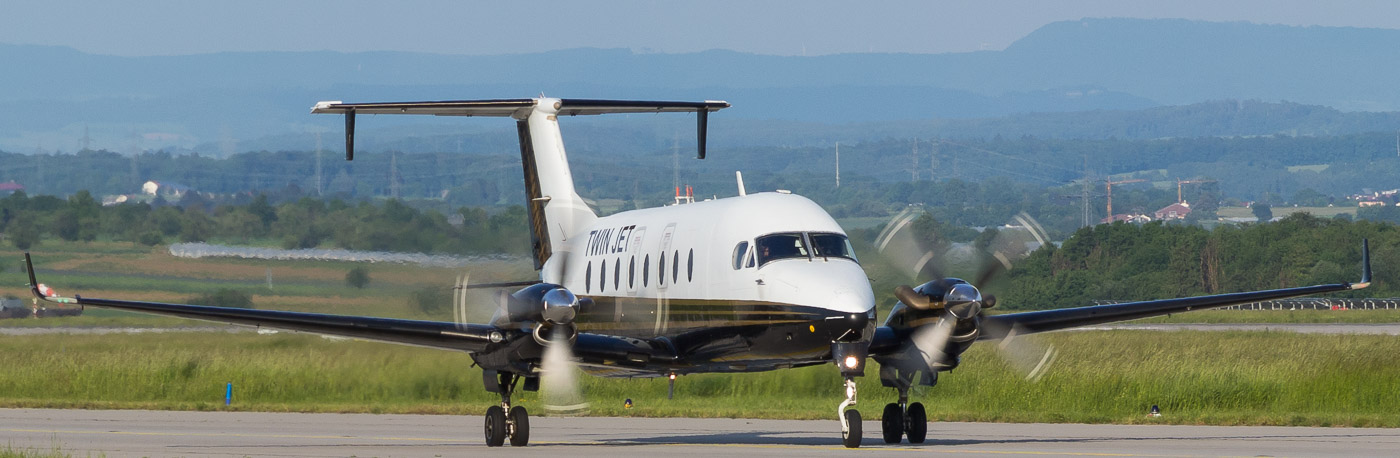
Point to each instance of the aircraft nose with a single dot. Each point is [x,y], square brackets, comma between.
[850,302]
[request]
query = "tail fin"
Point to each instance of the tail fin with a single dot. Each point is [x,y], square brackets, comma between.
[555,210]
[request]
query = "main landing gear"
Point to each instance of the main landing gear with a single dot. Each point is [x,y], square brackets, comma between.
[504,421]
[903,418]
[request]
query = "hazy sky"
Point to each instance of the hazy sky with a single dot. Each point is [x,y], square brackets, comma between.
[139,28]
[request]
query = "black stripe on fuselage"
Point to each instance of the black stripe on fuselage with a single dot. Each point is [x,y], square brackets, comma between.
[723,335]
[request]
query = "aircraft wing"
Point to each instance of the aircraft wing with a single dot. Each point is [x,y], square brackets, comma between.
[490,345]
[435,334]
[997,326]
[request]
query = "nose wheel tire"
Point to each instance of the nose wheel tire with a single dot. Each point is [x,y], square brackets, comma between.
[851,436]
[917,424]
[520,427]
[495,426]
[892,423]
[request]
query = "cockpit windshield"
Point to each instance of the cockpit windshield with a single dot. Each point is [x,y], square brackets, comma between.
[787,245]
[831,246]
[773,247]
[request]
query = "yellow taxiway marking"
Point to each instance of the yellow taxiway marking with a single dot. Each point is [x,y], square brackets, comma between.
[431,439]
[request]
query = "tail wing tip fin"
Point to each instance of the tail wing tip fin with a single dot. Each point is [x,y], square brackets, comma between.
[33,283]
[1365,266]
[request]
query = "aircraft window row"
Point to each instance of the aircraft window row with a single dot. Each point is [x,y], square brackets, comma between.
[646,270]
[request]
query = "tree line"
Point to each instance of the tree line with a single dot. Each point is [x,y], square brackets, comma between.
[388,225]
[1126,262]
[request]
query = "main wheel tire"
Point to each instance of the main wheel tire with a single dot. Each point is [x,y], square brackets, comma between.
[917,426]
[892,423]
[520,435]
[495,426]
[851,436]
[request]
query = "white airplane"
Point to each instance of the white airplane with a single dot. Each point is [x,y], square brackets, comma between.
[757,282]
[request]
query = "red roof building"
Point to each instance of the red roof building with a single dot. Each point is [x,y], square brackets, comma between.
[10,187]
[1177,210]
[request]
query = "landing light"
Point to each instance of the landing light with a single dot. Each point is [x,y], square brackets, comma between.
[496,337]
[852,362]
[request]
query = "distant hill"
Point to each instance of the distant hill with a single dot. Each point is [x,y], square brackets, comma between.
[53,94]
[650,135]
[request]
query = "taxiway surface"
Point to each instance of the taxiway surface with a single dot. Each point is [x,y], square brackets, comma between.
[150,433]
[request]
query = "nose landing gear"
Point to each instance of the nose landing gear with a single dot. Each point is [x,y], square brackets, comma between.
[850,419]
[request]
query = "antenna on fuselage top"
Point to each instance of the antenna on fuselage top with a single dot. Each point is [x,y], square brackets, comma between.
[740,176]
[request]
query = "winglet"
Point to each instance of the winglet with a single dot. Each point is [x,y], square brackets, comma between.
[1365,266]
[33,284]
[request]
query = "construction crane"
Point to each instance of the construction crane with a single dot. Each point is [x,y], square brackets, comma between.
[1180,182]
[1108,184]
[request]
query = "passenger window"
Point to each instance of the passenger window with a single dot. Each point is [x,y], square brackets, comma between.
[646,269]
[617,273]
[786,245]
[632,272]
[661,270]
[602,275]
[588,278]
[739,251]
[690,266]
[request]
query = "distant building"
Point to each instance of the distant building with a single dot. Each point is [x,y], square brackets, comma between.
[164,189]
[108,201]
[1135,219]
[10,187]
[1177,210]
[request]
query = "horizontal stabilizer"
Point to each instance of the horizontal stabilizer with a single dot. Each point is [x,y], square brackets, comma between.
[519,109]
[516,107]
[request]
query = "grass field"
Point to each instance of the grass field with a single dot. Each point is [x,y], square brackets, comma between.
[1101,377]
[9,451]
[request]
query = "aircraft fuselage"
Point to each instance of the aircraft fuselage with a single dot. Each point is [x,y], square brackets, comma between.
[756,282]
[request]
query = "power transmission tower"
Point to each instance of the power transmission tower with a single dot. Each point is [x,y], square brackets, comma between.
[318,163]
[933,159]
[394,175]
[914,156]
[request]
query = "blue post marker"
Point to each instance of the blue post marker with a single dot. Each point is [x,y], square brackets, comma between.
[228,393]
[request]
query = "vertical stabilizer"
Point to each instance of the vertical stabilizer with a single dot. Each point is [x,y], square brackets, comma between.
[555,209]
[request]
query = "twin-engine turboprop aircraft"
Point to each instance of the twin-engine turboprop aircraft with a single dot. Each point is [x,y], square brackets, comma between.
[757,282]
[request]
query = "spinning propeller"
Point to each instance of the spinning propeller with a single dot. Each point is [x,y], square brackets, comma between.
[548,311]
[946,310]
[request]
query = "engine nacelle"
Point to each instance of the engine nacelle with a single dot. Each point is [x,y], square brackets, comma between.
[543,303]
[545,334]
